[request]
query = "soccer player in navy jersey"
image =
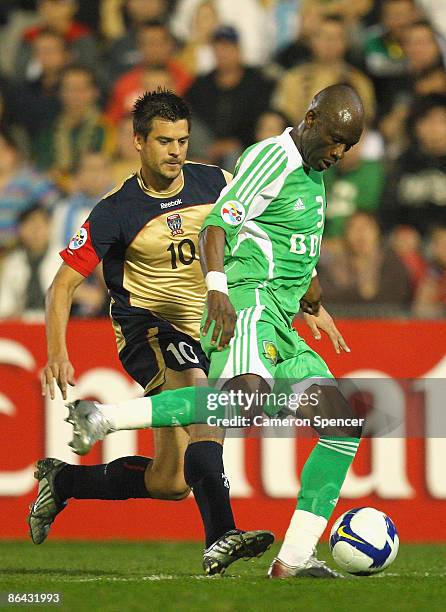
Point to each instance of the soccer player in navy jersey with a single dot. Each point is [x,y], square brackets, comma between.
[146,232]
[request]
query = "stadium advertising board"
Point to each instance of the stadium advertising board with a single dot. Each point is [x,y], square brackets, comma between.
[403,476]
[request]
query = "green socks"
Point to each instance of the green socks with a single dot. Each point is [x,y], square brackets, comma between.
[324,473]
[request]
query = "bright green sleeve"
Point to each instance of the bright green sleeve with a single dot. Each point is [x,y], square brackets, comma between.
[256,180]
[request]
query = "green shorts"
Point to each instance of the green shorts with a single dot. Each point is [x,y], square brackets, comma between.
[265,344]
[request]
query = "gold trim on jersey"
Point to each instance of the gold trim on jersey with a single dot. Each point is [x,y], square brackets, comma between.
[118,187]
[228,176]
[162,270]
[159,194]
[168,194]
[120,339]
[160,377]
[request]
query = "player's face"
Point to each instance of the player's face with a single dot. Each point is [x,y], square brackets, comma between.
[325,143]
[164,151]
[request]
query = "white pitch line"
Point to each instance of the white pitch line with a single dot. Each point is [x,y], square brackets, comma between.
[163,577]
[151,578]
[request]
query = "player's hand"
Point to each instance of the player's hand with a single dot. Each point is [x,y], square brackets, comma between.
[59,370]
[220,310]
[324,322]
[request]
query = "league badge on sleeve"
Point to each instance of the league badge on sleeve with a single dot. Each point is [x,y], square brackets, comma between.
[232,212]
[79,239]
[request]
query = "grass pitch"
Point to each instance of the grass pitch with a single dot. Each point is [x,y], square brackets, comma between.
[124,576]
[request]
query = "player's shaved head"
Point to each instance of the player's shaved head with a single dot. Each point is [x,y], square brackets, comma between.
[341,105]
[332,125]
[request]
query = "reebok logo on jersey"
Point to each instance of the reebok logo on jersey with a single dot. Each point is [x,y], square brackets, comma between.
[299,205]
[232,212]
[79,239]
[171,203]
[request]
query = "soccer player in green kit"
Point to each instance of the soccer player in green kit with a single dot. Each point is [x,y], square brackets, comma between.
[262,240]
[259,249]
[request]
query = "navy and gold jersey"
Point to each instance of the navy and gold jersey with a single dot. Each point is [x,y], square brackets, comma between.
[148,243]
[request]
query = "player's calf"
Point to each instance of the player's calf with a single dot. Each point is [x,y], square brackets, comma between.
[167,490]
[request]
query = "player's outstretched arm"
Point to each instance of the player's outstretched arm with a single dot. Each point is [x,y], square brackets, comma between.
[58,305]
[219,307]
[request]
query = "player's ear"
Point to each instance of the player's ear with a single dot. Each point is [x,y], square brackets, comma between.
[310,118]
[137,142]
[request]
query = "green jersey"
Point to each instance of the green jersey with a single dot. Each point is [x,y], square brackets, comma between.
[273,215]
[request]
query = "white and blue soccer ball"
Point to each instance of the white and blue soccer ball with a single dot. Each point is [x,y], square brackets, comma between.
[364,541]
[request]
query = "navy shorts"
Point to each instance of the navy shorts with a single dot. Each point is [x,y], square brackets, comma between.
[148,345]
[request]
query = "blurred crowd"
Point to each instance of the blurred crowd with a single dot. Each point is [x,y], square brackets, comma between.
[70,71]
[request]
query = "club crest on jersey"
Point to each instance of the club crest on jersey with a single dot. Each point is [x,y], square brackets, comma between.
[270,351]
[174,223]
[79,239]
[232,212]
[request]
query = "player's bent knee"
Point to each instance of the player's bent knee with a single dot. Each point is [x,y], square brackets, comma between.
[170,492]
[332,415]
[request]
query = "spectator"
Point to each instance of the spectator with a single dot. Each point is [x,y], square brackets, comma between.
[197,55]
[58,15]
[299,50]
[364,272]
[426,54]
[407,244]
[126,160]
[416,193]
[152,78]
[270,123]
[424,51]
[36,100]
[249,17]
[286,15]
[10,121]
[354,184]
[328,66]
[430,299]
[156,47]
[312,12]
[20,186]
[29,269]
[78,128]
[123,54]
[93,179]
[384,55]
[230,99]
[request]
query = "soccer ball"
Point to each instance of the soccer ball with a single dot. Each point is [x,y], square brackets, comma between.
[364,541]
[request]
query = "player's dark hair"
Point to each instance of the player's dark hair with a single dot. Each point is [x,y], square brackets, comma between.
[161,103]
